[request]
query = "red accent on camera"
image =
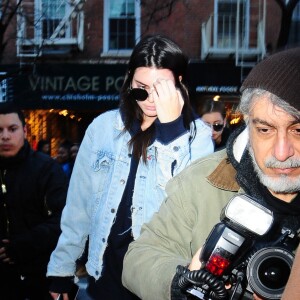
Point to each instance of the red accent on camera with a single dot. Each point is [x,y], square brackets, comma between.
[217,264]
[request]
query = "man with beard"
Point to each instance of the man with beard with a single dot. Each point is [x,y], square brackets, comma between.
[262,160]
[32,196]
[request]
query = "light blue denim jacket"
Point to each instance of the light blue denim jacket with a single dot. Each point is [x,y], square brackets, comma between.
[98,182]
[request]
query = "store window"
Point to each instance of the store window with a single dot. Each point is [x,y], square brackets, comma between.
[57,125]
[121,25]
[231,23]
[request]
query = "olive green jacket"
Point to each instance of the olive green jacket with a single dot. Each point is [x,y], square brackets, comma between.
[194,201]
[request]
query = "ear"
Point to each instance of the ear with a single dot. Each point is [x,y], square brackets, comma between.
[180,78]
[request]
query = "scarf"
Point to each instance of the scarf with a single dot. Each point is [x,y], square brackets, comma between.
[285,214]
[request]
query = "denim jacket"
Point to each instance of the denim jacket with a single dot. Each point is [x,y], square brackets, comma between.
[98,181]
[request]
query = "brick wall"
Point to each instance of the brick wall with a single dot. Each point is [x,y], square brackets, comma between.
[184,26]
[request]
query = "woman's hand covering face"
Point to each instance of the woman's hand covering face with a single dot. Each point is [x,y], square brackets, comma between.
[168,100]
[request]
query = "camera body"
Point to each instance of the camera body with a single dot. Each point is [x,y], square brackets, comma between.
[236,254]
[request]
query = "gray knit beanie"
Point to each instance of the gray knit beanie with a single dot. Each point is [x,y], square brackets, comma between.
[278,74]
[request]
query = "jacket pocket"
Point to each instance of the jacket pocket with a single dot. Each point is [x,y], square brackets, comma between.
[102,167]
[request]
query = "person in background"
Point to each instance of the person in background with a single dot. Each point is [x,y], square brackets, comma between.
[123,164]
[64,157]
[44,146]
[34,142]
[32,196]
[213,113]
[73,153]
[261,160]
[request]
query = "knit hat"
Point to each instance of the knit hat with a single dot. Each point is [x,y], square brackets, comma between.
[278,74]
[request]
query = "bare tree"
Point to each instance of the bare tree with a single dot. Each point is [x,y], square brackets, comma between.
[8,9]
[156,11]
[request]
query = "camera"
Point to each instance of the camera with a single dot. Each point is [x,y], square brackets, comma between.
[238,259]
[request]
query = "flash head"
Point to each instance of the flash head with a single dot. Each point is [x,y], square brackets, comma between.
[245,214]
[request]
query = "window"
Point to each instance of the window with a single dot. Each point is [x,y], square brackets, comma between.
[231,23]
[53,11]
[294,37]
[121,25]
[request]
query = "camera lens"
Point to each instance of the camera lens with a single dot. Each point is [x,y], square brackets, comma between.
[268,272]
[273,272]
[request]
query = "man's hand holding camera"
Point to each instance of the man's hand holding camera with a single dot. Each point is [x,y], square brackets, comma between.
[196,265]
[264,267]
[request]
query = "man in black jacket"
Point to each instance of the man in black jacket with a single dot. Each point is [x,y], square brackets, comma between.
[32,195]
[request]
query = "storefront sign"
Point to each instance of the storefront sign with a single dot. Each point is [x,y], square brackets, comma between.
[98,86]
[223,89]
[214,78]
[69,86]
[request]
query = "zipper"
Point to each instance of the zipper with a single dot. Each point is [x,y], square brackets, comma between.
[46,208]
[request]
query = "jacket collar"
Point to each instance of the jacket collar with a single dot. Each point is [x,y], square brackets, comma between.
[118,122]
[224,176]
[13,162]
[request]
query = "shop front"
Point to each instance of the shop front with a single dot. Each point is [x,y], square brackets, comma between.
[60,100]
[220,81]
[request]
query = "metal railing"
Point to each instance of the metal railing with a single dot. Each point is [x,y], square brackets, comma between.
[224,36]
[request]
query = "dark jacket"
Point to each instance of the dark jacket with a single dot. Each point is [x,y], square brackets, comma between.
[32,196]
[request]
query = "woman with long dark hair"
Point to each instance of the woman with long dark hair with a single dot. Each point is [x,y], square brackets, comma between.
[125,160]
[213,113]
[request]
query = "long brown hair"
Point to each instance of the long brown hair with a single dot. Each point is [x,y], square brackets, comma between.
[162,53]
